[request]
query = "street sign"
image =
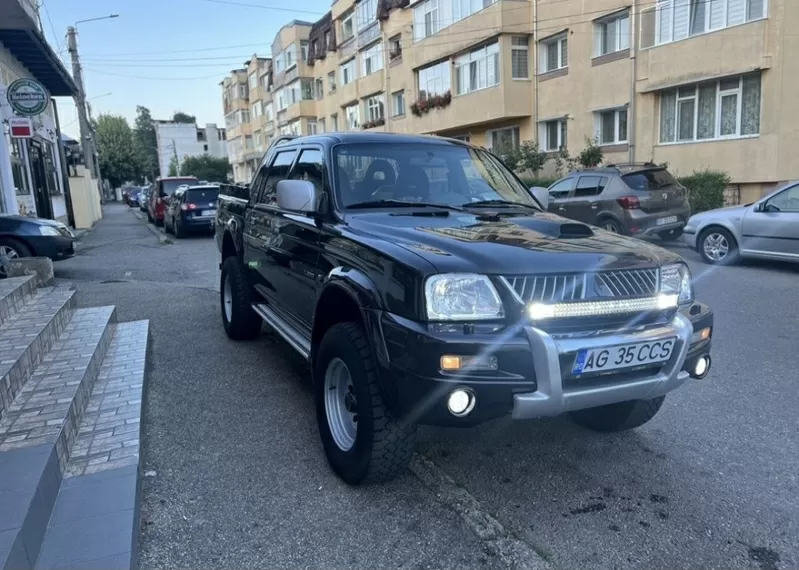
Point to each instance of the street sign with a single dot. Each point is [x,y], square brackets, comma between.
[20,127]
[27,97]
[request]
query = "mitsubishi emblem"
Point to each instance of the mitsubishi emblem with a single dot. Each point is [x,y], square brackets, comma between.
[665,195]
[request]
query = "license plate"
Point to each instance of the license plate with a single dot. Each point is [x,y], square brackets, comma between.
[623,356]
[205,213]
[669,220]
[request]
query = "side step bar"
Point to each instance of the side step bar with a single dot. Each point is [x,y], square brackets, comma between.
[284,329]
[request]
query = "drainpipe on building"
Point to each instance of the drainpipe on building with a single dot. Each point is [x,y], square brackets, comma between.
[535,72]
[631,107]
[63,160]
[386,78]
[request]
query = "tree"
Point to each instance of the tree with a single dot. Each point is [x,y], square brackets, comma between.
[206,167]
[181,117]
[173,166]
[591,156]
[119,161]
[146,143]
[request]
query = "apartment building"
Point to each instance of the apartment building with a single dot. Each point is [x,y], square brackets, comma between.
[694,83]
[181,140]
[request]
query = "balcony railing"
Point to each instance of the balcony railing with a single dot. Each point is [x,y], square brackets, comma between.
[368,34]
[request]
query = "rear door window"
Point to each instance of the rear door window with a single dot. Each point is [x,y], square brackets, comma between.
[587,186]
[649,180]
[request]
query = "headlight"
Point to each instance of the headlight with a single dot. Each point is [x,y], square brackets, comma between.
[461,297]
[49,231]
[677,279]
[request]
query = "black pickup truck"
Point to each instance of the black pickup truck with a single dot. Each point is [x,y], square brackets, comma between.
[426,285]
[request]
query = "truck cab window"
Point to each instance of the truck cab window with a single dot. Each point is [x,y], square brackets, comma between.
[277,172]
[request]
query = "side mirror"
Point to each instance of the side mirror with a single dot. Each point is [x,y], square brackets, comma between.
[296,196]
[541,194]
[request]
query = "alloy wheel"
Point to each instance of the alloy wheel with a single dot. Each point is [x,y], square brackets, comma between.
[716,246]
[6,252]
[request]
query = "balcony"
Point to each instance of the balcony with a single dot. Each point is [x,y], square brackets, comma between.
[508,100]
[505,16]
[370,84]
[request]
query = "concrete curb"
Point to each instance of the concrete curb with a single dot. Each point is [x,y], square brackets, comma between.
[162,237]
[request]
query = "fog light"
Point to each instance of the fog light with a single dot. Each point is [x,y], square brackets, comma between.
[461,402]
[702,367]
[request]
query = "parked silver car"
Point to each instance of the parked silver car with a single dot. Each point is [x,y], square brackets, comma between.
[767,229]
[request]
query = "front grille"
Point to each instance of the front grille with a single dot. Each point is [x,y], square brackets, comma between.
[617,284]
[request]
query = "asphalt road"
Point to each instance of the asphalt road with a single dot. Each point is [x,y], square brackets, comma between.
[236,476]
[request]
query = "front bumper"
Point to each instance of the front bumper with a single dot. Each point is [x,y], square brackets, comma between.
[690,237]
[54,247]
[533,377]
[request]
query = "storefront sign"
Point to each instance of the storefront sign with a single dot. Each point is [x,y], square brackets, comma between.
[20,127]
[27,97]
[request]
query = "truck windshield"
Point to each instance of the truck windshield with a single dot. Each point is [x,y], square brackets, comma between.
[431,173]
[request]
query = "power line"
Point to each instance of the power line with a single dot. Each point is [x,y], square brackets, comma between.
[104,72]
[261,6]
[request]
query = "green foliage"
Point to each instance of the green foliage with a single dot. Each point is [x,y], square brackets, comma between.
[206,167]
[146,143]
[119,161]
[530,181]
[173,166]
[705,189]
[525,157]
[591,156]
[181,117]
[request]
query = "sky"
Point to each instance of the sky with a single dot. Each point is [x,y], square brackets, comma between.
[167,55]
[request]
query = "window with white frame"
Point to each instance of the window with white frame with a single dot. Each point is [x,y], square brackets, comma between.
[348,72]
[304,50]
[258,140]
[552,135]
[248,142]
[372,59]
[375,107]
[397,103]
[612,34]
[334,122]
[295,128]
[253,79]
[320,125]
[502,139]
[611,126]
[554,54]
[520,58]
[727,108]
[280,97]
[255,110]
[268,112]
[679,19]
[434,80]
[312,127]
[353,116]
[478,69]
[290,56]
[243,117]
[347,26]
[432,16]
[366,13]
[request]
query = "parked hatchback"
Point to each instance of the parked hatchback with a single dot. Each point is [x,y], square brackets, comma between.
[632,199]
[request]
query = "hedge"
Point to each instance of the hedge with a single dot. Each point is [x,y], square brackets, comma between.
[530,181]
[705,189]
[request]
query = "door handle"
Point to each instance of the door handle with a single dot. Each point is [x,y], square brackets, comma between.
[562,208]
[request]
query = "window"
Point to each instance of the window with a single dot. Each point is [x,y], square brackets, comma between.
[348,72]
[253,80]
[274,174]
[519,58]
[306,87]
[312,128]
[727,108]
[588,186]
[244,92]
[502,139]
[395,47]
[255,110]
[434,80]
[319,88]
[553,135]
[611,126]
[431,16]
[372,59]
[327,41]
[554,54]
[561,189]
[268,112]
[375,108]
[334,122]
[257,139]
[320,125]
[347,27]
[304,50]
[353,117]
[478,69]
[243,117]
[205,148]
[679,19]
[248,142]
[310,167]
[785,201]
[295,127]
[398,103]
[366,13]
[291,56]
[612,34]
[331,82]
[280,96]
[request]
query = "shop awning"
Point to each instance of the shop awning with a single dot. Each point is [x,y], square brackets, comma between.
[33,51]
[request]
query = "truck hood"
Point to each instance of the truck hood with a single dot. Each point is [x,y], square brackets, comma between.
[518,244]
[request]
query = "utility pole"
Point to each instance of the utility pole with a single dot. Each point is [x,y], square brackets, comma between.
[80,103]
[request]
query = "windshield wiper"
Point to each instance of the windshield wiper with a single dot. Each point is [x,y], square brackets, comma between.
[401,204]
[500,203]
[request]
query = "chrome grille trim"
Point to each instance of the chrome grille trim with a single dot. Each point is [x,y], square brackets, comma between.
[618,284]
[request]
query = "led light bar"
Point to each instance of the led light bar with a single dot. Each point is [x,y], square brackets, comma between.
[543,311]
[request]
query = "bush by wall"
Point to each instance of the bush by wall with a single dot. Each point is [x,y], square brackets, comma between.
[530,181]
[705,189]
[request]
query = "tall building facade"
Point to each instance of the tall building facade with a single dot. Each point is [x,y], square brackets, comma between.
[692,83]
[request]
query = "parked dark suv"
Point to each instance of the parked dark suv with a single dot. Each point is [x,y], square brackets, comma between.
[631,199]
[424,284]
[191,209]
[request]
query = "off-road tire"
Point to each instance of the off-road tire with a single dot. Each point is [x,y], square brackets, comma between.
[245,324]
[732,256]
[383,444]
[618,417]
